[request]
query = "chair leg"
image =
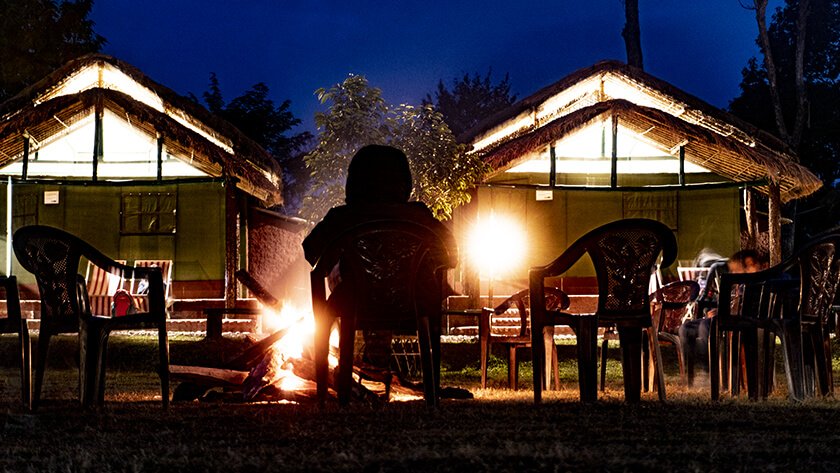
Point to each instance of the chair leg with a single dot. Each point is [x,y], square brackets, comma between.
[751,357]
[92,336]
[103,360]
[40,366]
[821,363]
[321,349]
[163,369]
[25,365]
[646,361]
[554,363]
[587,346]
[681,360]
[630,340]
[538,359]
[427,360]
[485,354]
[792,351]
[826,346]
[656,353]
[604,345]
[734,364]
[550,355]
[513,368]
[345,359]
[714,359]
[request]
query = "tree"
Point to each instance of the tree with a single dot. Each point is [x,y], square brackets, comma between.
[38,36]
[256,115]
[358,115]
[470,99]
[794,92]
[804,71]
[632,33]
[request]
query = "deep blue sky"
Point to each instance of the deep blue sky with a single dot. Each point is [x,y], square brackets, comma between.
[405,47]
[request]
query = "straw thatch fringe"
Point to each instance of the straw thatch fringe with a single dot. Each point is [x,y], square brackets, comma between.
[724,155]
[258,172]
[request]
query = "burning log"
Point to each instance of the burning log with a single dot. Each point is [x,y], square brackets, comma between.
[208,376]
[258,290]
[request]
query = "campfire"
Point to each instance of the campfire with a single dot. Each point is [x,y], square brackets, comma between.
[280,367]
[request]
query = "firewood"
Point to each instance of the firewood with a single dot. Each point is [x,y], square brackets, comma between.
[258,290]
[208,376]
[256,352]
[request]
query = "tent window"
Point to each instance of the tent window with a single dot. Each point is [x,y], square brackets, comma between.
[661,206]
[148,213]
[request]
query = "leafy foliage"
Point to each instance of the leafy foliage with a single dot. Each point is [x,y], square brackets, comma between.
[470,99]
[819,149]
[39,36]
[256,115]
[357,116]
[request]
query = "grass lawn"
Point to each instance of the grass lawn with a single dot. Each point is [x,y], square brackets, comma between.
[499,430]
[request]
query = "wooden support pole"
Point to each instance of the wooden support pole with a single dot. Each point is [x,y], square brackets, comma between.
[98,148]
[682,165]
[614,161]
[552,176]
[25,172]
[751,214]
[231,242]
[159,157]
[774,211]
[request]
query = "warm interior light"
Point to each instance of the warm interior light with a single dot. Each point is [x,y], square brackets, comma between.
[496,245]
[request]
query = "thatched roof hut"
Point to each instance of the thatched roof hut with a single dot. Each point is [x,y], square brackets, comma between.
[652,109]
[188,130]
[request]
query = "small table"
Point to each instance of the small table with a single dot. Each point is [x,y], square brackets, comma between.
[467,312]
[215,314]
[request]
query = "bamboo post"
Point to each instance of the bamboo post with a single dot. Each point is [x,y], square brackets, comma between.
[774,211]
[752,218]
[231,242]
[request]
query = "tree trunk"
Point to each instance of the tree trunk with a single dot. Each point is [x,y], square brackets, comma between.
[793,139]
[801,30]
[632,33]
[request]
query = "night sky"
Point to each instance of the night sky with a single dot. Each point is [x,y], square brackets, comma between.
[405,47]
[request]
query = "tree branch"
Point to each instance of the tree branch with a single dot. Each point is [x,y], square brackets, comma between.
[770,67]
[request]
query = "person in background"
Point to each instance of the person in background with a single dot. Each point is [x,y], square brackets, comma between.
[694,333]
[378,187]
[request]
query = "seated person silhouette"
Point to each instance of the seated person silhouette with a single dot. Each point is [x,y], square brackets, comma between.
[378,187]
[694,334]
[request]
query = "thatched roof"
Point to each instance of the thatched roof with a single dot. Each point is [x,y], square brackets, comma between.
[220,149]
[714,139]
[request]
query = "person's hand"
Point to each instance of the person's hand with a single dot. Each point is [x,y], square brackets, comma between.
[711,313]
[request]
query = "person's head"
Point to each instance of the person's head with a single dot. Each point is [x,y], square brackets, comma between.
[378,174]
[746,261]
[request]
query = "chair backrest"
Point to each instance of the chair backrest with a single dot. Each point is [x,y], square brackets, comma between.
[675,298]
[101,286]
[53,256]
[625,253]
[692,273]
[165,266]
[819,266]
[392,269]
[555,299]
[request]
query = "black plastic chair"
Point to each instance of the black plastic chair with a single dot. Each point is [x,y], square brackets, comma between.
[392,273]
[625,254]
[791,300]
[54,256]
[671,303]
[489,333]
[15,323]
